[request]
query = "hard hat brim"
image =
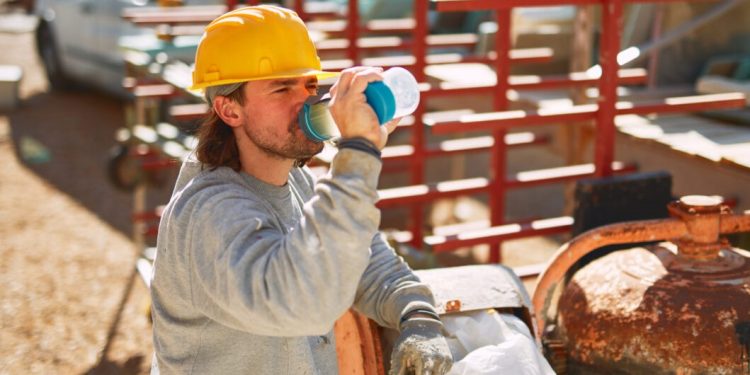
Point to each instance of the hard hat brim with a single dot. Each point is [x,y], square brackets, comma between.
[320,74]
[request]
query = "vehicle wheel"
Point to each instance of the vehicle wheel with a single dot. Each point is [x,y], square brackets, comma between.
[50,57]
[123,169]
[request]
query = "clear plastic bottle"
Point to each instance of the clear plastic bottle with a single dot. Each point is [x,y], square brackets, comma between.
[396,96]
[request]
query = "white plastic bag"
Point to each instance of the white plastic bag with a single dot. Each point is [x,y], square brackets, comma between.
[488,342]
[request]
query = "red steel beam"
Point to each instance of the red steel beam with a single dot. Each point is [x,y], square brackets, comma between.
[609,46]
[352,31]
[161,90]
[426,193]
[510,119]
[203,14]
[515,118]
[394,42]
[299,8]
[517,56]
[390,26]
[684,103]
[421,31]
[498,153]
[429,192]
[562,174]
[473,5]
[501,233]
[465,145]
[529,82]
[187,112]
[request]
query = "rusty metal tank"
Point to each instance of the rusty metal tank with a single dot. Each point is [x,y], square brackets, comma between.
[678,307]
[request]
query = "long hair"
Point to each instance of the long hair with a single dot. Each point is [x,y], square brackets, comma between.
[217,145]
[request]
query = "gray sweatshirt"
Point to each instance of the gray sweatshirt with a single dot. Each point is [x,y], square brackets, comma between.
[249,277]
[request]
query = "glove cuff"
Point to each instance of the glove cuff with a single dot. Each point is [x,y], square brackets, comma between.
[411,313]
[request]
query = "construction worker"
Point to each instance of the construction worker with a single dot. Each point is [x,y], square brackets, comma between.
[256,260]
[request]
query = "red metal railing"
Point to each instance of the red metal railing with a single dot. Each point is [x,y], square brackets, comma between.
[603,113]
[497,123]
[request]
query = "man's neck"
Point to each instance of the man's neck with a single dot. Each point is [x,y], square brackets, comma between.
[267,168]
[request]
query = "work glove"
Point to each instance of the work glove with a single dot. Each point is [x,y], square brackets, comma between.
[421,348]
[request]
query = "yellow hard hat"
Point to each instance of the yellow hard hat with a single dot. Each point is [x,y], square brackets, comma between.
[253,43]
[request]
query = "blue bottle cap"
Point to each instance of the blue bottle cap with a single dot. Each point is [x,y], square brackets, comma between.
[381,99]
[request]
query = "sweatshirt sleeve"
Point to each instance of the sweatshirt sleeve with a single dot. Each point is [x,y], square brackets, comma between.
[250,276]
[389,288]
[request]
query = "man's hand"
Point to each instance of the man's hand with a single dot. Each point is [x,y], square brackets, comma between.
[421,349]
[349,108]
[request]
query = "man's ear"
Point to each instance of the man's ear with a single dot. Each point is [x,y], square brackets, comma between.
[228,110]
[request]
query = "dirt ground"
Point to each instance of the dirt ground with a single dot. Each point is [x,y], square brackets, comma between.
[70,301]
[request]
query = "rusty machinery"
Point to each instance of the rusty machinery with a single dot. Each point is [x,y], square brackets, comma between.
[675,307]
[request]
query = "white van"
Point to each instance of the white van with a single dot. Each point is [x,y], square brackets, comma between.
[79,41]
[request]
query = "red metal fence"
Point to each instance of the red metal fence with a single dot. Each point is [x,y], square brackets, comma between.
[497,123]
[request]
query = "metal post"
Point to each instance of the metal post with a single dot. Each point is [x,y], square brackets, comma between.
[139,206]
[419,49]
[352,32]
[609,46]
[299,8]
[498,154]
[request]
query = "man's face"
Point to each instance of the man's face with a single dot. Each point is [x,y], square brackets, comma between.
[271,109]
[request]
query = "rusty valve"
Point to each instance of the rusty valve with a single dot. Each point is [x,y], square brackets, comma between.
[702,217]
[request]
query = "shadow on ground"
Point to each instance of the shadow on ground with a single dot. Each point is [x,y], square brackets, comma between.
[66,139]
[131,366]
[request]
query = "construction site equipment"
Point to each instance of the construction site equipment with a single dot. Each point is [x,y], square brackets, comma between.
[682,305]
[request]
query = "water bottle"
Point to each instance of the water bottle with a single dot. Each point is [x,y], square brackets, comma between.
[396,96]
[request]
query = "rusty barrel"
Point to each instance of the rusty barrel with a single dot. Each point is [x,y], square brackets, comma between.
[681,306]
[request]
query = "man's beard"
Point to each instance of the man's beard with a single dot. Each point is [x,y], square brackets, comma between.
[298,148]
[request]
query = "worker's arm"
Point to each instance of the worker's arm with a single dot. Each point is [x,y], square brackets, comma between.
[389,289]
[393,296]
[250,276]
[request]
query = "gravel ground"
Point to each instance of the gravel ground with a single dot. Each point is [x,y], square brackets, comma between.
[69,303]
